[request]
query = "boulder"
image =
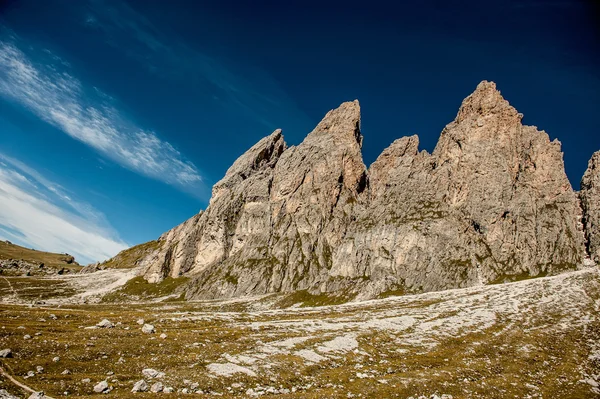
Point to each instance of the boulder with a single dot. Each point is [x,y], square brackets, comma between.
[101,387]
[105,324]
[148,329]
[140,386]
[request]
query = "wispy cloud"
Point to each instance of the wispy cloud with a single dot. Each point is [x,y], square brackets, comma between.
[252,92]
[47,88]
[39,213]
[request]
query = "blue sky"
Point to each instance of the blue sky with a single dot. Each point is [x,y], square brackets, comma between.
[117,117]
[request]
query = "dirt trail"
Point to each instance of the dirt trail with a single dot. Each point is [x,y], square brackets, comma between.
[20,384]
[11,287]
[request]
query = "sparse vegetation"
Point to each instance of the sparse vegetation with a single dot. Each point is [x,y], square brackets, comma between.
[130,257]
[49,259]
[486,342]
[305,299]
[139,289]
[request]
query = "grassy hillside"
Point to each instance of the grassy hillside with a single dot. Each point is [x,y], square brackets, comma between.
[129,258]
[49,259]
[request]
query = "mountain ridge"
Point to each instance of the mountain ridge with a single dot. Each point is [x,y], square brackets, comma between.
[491,203]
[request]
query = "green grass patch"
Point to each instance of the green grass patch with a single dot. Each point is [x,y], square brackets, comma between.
[390,293]
[310,300]
[130,257]
[138,288]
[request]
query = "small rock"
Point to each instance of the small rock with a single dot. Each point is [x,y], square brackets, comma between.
[56,359]
[26,336]
[148,329]
[157,387]
[52,316]
[37,395]
[140,386]
[105,324]
[86,380]
[140,321]
[168,389]
[163,336]
[101,387]
[66,372]
[39,369]
[5,353]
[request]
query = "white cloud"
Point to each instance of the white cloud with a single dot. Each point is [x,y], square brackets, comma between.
[88,115]
[41,214]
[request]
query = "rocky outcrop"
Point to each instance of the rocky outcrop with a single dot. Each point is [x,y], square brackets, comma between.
[590,202]
[275,218]
[18,267]
[491,204]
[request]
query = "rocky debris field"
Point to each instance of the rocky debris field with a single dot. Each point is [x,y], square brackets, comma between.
[19,267]
[20,261]
[537,338]
[61,289]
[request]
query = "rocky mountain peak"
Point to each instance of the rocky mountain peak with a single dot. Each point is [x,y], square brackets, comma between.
[591,178]
[400,154]
[590,203]
[342,123]
[263,155]
[492,203]
[484,101]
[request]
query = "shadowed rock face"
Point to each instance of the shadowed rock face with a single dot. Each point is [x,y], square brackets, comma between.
[590,202]
[491,203]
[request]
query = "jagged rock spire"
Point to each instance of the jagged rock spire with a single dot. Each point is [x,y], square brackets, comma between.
[590,201]
[485,100]
[342,123]
[262,155]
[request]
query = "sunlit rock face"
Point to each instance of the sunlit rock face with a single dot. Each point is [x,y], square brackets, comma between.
[590,201]
[492,203]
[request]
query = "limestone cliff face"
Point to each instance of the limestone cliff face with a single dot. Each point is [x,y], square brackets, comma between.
[491,203]
[275,218]
[590,201]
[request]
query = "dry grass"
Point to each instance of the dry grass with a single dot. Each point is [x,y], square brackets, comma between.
[49,259]
[139,289]
[33,289]
[130,257]
[536,351]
